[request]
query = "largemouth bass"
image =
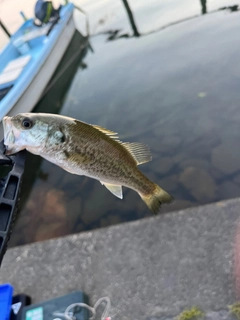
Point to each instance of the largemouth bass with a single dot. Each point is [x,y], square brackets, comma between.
[85,149]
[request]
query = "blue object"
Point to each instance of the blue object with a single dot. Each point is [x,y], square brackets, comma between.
[29,60]
[6,292]
[23,15]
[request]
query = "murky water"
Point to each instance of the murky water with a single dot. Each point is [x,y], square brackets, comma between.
[175,89]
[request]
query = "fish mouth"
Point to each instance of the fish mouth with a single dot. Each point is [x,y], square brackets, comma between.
[7,130]
[10,151]
[9,137]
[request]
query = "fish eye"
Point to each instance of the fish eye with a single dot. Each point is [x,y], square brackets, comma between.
[27,123]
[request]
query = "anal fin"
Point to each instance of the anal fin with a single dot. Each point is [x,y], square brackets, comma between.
[114,189]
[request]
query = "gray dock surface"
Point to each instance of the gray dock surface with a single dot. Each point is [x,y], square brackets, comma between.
[151,269]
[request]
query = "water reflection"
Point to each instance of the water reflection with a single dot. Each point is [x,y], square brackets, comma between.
[131,18]
[231,8]
[204,6]
[118,34]
[166,89]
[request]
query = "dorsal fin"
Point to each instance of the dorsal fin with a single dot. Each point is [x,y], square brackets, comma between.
[106,131]
[140,152]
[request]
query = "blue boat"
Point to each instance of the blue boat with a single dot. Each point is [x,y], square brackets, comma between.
[29,60]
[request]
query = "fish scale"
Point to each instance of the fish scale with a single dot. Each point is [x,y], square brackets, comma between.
[85,149]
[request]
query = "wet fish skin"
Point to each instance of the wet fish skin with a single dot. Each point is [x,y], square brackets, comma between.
[85,149]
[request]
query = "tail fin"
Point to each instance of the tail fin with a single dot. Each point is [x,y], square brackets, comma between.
[155,199]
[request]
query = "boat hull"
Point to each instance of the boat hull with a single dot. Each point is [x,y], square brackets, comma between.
[33,92]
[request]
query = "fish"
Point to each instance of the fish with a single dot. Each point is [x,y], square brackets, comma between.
[84,149]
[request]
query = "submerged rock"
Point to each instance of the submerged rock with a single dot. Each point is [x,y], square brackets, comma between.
[167,145]
[179,157]
[52,230]
[110,220]
[228,190]
[237,178]
[53,206]
[48,207]
[47,204]
[170,183]
[199,183]
[216,173]
[163,165]
[74,210]
[98,203]
[24,229]
[195,162]
[226,157]
[177,205]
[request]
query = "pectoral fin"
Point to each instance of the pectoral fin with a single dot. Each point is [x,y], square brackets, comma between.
[116,190]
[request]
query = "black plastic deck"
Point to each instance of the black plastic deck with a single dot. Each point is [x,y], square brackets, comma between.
[10,193]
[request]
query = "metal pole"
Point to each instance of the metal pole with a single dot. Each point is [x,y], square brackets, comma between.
[5,29]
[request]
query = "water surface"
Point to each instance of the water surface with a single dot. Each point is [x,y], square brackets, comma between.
[175,89]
